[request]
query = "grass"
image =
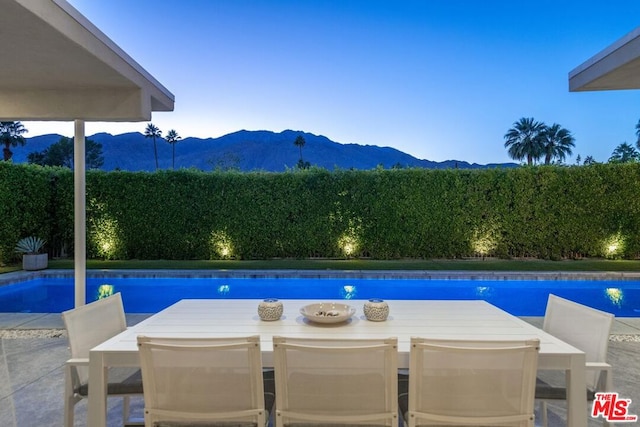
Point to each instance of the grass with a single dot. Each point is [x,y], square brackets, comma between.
[489,264]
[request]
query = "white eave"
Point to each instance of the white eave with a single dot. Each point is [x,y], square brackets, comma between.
[615,68]
[56,65]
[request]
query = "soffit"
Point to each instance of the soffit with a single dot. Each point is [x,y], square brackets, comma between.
[53,57]
[615,68]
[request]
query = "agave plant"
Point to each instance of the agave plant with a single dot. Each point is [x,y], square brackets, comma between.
[30,245]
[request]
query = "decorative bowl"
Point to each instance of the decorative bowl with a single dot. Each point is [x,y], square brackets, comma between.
[327,312]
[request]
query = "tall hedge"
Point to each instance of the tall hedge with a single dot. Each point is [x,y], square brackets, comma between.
[25,205]
[546,212]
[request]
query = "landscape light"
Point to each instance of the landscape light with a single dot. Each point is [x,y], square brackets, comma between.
[484,242]
[221,245]
[349,243]
[106,246]
[348,248]
[614,246]
[106,237]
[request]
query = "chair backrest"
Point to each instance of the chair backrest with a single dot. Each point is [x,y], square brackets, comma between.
[322,381]
[583,327]
[90,325]
[202,379]
[477,383]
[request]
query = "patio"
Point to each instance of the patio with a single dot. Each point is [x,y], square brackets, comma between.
[33,349]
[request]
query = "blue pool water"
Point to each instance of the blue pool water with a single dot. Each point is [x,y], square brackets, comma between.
[149,295]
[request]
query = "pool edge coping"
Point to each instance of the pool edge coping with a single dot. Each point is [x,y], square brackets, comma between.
[18,276]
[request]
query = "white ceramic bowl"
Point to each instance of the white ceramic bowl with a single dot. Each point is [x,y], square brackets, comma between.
[327,312]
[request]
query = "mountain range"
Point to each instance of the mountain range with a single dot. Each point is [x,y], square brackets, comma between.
[246,151]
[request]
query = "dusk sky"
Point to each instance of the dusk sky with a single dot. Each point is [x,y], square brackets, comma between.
[438,79]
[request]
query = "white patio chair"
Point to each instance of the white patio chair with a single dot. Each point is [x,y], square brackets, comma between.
[470,383]
[587,329]
[87,326]
[204,382]
[335,382]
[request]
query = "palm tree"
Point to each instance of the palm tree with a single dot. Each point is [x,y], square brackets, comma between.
[172,138]
[299,142]
[557,143]
[524,140]
[638,134]
[153,132]
[11,135]
[624,153]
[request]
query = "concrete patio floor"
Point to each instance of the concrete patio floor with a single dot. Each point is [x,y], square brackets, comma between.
[32,379]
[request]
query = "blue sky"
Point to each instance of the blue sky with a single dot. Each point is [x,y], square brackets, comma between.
[438,79]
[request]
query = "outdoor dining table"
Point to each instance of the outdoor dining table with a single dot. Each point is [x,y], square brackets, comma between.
[444,319]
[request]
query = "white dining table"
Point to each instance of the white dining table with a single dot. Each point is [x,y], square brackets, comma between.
[450,319]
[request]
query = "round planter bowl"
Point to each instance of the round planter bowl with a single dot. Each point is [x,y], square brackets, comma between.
[376,310]
[270,309]
[35,262]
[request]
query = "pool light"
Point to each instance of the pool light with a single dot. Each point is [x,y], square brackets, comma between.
[484,291]
[104,291]
[615,295]
[348,292]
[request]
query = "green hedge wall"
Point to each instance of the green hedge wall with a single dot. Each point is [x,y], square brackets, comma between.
[546,212]
[25,203]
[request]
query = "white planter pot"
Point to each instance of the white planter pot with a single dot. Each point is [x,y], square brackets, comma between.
[35,262]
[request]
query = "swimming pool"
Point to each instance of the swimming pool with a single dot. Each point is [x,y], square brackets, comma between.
[152,294]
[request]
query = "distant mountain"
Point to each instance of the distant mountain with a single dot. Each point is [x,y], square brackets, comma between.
[245,150]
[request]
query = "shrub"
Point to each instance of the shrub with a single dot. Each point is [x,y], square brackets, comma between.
[547,212]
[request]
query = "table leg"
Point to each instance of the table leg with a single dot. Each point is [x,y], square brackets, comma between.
[97,407]
[576,392]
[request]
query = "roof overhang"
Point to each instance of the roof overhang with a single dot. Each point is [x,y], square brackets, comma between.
[56,65]
[615,68]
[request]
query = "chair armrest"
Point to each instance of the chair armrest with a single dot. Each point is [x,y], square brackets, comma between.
[605,382]
[78,362]
[603,366]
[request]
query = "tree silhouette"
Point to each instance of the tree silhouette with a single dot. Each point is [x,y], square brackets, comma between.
[153,132]
[556,143]
[11,136]
[300,142]
[624,153]
[524,140]
[172,138]
[61,154]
